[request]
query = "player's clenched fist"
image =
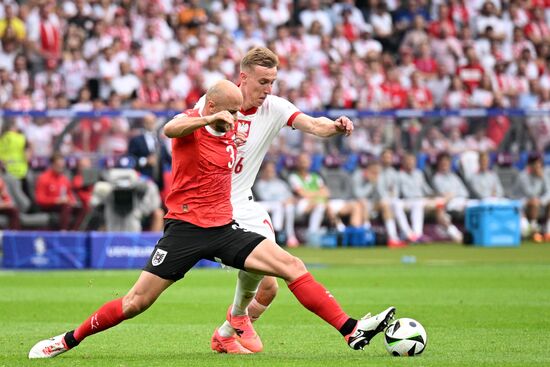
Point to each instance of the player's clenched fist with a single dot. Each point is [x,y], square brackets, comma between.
[221,121]
[344,125]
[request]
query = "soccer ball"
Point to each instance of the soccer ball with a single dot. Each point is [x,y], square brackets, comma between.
[405,337]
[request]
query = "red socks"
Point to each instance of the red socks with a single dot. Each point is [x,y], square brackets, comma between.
[109,315]
[317,299]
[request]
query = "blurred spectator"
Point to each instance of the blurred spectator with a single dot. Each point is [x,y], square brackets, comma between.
[75,72]
[153,48]
[456,98]
[439,85]
[11,26]
[365,45]
[82,185]
[434,142]
[21,73]
[420,96]
[311,192]
[485,183]
[446,49]
[149,153]
[482,94]
[7,207]
[126,83]
[533,188]
[382,24]
[456,143]
[479,141]
[40,135]
[416,36]
[54,194]
[45,33]
[416,198]
[81,16]
[14,151]
[489,17]
[537,30]
[193,15]
[92,130]
[539,126]
[443,20]
[149,93]
[115,142]
[450,187]
[367,189]
[275,196]
[228,13]
[471,73]
[314,12]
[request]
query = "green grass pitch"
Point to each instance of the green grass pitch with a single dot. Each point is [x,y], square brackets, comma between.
[480,307]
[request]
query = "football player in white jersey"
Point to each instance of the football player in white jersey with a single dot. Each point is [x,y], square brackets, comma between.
[261,118]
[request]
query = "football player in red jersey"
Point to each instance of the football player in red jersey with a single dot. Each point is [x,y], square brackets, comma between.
[199,225]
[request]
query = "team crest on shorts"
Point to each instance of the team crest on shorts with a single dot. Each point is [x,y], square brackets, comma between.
[158,257]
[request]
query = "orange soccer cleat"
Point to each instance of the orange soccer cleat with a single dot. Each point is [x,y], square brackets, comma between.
[223,344]
[245,333]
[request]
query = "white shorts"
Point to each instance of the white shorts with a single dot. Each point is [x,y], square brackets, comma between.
[337,204]
[252,216]
[457,204]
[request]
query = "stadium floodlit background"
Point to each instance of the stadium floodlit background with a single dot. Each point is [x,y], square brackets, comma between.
[85,87]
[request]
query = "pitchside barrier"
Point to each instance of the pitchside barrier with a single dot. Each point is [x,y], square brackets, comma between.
[332,113]
[79,250]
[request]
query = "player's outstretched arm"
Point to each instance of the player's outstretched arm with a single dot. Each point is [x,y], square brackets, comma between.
[182,125]
[323,126]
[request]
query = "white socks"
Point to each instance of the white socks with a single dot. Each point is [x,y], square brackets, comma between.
[399,211]
[417,217]
[316,218]
[247,285]
[289,220]
[391,229]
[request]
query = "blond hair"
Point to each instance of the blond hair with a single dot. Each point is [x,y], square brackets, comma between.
[261,56]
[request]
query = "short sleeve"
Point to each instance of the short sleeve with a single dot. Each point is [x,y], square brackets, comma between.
[286,110]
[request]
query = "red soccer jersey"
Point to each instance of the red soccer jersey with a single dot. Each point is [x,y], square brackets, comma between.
[201,177]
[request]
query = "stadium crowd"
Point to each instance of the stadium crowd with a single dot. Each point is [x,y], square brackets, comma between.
[89,55]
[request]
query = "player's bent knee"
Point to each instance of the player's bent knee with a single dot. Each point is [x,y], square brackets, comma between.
[133,304]
[296,268]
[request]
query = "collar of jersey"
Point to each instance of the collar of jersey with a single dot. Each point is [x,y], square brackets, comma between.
[250,111]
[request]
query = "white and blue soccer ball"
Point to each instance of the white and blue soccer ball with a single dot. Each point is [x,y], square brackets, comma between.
[405,337]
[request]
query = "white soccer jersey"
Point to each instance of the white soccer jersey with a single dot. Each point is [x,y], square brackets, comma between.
[260,125]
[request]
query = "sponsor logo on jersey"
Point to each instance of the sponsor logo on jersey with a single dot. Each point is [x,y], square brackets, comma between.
[159,257]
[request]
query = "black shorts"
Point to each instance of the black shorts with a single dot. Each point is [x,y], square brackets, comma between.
[184,244]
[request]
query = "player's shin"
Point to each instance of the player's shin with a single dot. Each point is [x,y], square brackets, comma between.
[108,315]
[247,286]
[313,296]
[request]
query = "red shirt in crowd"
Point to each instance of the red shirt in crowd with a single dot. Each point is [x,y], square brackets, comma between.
[52,186]
[421,97]
[470,75]
[202,163]
[397,95]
